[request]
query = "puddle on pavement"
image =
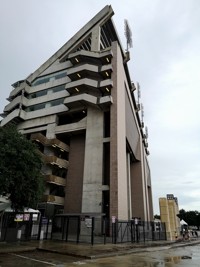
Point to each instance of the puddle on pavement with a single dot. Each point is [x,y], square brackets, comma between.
[180,257]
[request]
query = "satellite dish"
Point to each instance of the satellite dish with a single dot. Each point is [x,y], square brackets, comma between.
[128,34]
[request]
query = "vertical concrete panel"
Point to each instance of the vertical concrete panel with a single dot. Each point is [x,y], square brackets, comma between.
[145,184]
[164,214]
[74,182]
[149,191]
[92,181]
[138,200]
[168,211]
[118,174]
[151,218]
[95,44]
[129,188]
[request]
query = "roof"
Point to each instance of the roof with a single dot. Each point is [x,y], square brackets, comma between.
[102,18]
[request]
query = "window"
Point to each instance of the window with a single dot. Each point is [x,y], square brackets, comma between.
[50,77]
[37,94]
[45,92]
[35,107]
[56,102]
[45,105]
[58,88]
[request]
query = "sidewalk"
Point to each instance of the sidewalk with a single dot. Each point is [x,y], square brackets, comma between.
[88,251]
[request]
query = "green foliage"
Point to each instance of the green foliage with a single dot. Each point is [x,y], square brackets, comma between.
[191,217]
[20,165]
[157,216]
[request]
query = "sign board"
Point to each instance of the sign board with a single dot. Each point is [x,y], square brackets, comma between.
[19,218]
[88,222]
[113,219]
[26,217]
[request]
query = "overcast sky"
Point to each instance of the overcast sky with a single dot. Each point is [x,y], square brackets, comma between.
[165,60]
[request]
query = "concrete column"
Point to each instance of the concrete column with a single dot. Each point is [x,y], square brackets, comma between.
[95,45]
[92,179]
[129,187]
[48,151]
[164,213]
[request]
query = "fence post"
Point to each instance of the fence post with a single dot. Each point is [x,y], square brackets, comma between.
[114,230]
[165,231]
[153,232]
[78,230]
[52,222]
[29,227]
[132,230]
[63,228]
[137,233]
[92,232]
[104,229]
[40,227]
[47,229]
[67,229]
[144,237]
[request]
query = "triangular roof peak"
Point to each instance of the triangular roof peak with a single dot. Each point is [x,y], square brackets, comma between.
[102,18]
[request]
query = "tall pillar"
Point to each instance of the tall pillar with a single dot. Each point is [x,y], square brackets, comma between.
[92,178]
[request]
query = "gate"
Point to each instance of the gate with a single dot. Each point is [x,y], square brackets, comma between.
[24,226]
[129,231]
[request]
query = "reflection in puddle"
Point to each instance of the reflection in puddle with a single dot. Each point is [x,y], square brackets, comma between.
[180,257]
[173,259]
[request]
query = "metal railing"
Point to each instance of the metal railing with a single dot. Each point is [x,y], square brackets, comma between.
[24,227]
[94,230]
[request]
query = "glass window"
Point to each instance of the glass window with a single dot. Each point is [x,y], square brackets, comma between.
[52,76]
[58,88]
[45,105]
[56,102]
[44,92]
[35,107]
[37,94]
[44,80]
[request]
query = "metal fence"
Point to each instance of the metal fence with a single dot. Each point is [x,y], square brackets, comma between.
[128,231]
[78,228]
[100,230]
[24,227]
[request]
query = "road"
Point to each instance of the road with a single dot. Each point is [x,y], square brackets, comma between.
[166,257]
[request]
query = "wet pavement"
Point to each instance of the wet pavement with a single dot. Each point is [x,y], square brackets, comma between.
[60,254]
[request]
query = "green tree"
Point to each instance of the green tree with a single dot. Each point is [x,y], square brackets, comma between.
[191,217]
[20,164]
[156,216]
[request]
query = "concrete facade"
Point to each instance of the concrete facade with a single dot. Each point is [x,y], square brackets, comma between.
[80,108]
[169,210]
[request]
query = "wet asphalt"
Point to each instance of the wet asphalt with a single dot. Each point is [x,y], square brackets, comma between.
[60,254]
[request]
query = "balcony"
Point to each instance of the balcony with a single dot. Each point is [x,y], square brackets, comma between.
[83,100]
[15,117]
[53,160]
[80,100]
[90,71]
[89,86]
[53,179]
[95,58]
[54,142]
[53,199]
[19,100]
[19,86]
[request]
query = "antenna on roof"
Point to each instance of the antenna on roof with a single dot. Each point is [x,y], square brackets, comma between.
[142,113]
[146,132]
[138,92]
[128,34]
